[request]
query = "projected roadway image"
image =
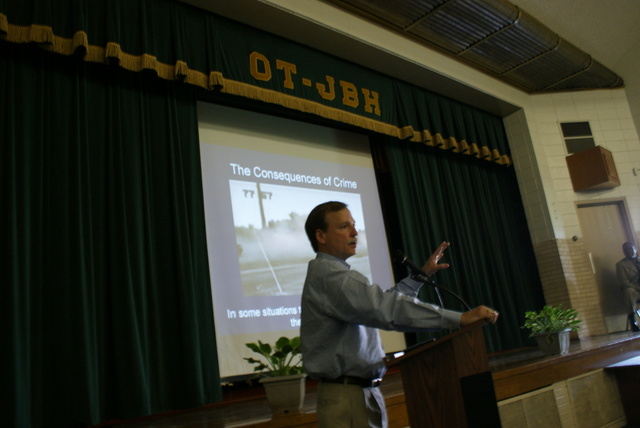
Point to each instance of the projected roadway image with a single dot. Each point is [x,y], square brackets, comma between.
[273,249]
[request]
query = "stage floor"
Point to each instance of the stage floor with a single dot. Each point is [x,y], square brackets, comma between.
[514,372]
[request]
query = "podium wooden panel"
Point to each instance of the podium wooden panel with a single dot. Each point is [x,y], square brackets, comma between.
[447,382]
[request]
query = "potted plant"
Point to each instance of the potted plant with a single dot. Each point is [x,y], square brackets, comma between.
[283,373]
[551,326]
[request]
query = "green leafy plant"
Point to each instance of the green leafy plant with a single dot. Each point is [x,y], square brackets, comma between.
[282,359]
[551,319]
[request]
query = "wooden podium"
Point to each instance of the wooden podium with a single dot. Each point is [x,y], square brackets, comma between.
[447,382]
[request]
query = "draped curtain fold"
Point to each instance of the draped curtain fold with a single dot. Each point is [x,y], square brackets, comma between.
[437,197]
[449,125]
[179,42]
[106,304]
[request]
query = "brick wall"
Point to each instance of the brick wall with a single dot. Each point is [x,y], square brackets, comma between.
[567,279]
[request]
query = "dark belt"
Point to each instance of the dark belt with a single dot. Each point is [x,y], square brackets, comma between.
[352,380]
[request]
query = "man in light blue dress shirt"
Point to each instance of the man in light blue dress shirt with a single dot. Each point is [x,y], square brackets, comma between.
[341,315]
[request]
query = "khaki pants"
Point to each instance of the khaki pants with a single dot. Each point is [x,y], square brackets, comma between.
[350,406]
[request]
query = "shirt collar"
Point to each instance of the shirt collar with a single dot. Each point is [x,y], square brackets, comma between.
[321,255]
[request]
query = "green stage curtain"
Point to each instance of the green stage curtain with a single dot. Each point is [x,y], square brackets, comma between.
[106,303]
[439,196]
[176,41]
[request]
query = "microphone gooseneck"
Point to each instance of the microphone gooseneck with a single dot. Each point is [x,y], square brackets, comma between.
[420,275]
[415,269]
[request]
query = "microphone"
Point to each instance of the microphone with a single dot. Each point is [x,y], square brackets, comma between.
[415,269]
[421,275]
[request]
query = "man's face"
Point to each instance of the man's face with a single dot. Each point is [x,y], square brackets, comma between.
[630,250]
[340,238]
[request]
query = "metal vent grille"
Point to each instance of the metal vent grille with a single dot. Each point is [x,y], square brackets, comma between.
[494,36]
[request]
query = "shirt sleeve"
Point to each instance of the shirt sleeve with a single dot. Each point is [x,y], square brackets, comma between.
[408,286]
[353,299]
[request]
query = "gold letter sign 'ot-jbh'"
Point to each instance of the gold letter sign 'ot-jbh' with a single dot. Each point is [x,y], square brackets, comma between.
[351,97]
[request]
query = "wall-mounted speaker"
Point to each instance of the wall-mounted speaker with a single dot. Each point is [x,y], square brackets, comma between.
[592,169]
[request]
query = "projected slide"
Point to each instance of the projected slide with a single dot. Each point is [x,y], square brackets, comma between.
[269,224]
[257,197]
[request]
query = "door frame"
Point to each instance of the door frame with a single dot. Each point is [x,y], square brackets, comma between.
[614,321]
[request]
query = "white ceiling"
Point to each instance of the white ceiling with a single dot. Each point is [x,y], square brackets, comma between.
[605,29]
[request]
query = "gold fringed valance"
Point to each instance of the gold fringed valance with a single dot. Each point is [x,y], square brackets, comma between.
[112,53]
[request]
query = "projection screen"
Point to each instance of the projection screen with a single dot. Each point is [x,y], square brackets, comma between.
[261,177]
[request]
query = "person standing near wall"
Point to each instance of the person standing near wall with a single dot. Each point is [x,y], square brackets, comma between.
[628,274]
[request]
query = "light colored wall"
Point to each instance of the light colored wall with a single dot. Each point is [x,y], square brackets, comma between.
[549,200]
[526,161]
[567,279]
[629,68]
[539,157]
[609,115]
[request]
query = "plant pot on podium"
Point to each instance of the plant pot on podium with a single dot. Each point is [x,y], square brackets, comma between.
[554,343]
[284,384]
[551,326]
[285,394]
